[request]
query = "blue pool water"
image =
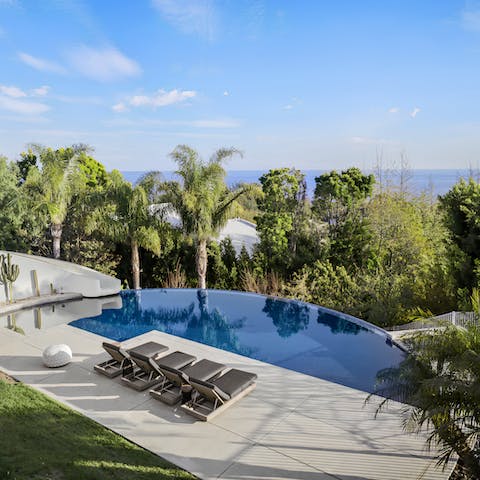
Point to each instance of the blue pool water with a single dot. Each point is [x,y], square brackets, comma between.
[291,334]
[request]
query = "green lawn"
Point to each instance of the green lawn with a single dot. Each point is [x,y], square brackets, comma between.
[42,439]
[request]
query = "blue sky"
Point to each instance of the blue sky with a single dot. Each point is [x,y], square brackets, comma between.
[312,84]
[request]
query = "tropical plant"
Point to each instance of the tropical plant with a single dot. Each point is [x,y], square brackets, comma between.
[440,383]
[55,185]
[124,215]
[201,199]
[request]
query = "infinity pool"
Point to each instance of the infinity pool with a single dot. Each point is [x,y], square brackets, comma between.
[291,334]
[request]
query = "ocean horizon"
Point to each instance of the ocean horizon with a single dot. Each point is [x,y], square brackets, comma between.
[433,181]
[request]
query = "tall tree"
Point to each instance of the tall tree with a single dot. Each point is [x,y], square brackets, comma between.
[281,208]
[11,211]
[461,205]
[201,199]
[93,249]
[338,201]
[124,214]
[56,182]
[27,160]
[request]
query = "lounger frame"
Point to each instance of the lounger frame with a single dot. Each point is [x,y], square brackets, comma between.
[204,410]
[175,383]
[114,365]
[111,368]
[138,379]
[168,392]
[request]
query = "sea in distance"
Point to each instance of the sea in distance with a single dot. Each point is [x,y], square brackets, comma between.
[434,182]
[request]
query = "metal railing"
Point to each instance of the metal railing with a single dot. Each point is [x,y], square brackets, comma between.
[461,319]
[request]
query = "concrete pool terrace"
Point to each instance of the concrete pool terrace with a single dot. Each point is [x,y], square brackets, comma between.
[291,426]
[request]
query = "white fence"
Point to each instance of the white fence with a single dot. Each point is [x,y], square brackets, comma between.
[461,319]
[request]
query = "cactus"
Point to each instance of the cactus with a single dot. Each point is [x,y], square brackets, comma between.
[12,324]
[8,274]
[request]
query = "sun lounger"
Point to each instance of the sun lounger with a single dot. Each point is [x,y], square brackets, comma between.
[209,398]
[148,373]
[120,357]
[175,384]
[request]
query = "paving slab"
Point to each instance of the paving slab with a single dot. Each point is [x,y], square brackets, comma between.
[89,391]
[291,426]
[346,456]
[201,448]
[259,462]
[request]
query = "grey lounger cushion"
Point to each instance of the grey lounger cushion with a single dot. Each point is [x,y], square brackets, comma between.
[176,380]
[230,384]
[149,349]
[120,356]
[176,360]
[203,370]
[210,398]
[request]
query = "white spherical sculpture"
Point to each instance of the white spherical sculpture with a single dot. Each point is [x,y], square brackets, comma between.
[57,355]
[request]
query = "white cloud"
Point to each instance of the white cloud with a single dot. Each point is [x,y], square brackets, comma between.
[294,102]
[41,64]
[161,98]
[14,99]
[393,110]
[41,91]
[470,19]
[104,64]
[189,16]
[11,91]
[119,107]
[226,93]
[23,107]
[414,112]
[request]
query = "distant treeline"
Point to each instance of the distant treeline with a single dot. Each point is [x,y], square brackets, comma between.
[362,244]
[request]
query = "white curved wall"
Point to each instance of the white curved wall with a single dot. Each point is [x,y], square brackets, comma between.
[63,276]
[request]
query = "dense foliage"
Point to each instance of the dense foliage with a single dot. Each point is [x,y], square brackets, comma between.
[366,248]
[440,383]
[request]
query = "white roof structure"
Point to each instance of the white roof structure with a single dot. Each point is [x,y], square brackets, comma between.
[241,232]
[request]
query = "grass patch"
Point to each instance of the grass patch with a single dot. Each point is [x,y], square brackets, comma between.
[42,439]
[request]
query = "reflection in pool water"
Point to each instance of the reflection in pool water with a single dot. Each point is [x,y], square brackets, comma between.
[291,334]
[288,317]
[338,324]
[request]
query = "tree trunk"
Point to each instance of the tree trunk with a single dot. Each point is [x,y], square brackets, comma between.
[201,259]
[56,231]
[135,265]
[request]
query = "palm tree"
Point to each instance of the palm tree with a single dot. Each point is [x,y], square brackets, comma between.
[201,199]
[56,184]
[440,383]
[123,214]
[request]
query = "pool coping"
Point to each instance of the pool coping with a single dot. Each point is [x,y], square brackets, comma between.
[38,301]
